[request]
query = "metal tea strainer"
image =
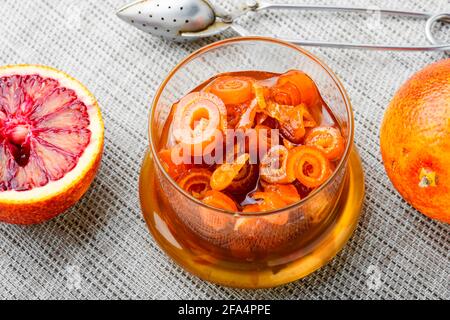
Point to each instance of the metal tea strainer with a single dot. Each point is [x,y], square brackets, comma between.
[194,19]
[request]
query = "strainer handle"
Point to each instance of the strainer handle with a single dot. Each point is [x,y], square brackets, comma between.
[431,19]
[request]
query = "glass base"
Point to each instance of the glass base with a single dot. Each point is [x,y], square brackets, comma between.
[207,268]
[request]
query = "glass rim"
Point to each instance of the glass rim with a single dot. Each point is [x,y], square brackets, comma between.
[275,41]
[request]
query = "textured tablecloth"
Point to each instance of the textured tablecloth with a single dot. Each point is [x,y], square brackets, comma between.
[101,248]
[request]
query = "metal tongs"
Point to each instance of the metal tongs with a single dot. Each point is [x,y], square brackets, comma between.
[193,19]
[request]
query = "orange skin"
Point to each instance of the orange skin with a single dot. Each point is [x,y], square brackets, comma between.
[38,212]
[415,141]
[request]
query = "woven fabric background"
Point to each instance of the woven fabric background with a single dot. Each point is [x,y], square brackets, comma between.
[101,248]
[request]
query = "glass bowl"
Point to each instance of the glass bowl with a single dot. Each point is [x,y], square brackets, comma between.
[207,241]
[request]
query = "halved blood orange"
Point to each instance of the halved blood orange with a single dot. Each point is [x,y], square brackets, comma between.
[51,142]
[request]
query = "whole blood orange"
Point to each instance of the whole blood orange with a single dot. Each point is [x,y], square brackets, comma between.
[51,142]
[415,141]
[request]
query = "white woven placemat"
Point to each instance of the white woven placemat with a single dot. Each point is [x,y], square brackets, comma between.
[101,248]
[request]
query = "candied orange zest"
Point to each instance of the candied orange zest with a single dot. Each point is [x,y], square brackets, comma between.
[273,165]
[245,180]
[329,140]
[309,166]
[260,94]
[278,219]
[233,90]
[173,169]
[195,181]
[261,117]
[224,175]
[251,208]
[265,139]
[305,85]
[269,200]
[287,192]
[215,220]
[293,125]
[286,94]
[247,119]
[219,200]
[289,145]
[197,119]
[278,111]
[308,119]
